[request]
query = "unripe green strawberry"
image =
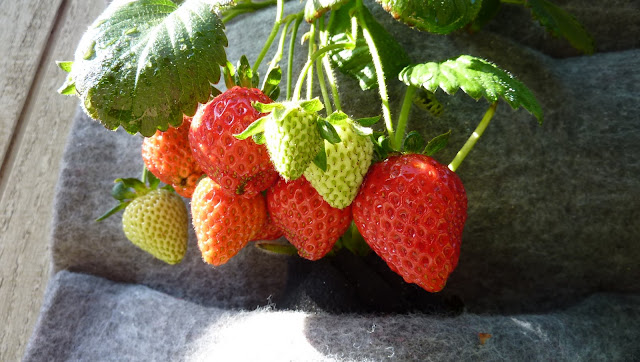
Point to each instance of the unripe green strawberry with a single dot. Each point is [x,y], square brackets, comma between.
[157,223]
[347,163]
[293,140]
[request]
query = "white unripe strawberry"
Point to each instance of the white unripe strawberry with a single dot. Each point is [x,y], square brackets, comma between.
[347,163]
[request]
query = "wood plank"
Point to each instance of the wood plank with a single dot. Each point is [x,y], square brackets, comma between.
[25,27]
[25,204]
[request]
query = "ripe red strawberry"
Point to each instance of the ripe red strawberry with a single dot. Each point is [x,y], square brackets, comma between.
[308,221]
[224,223]
[270,231]
[411,211]
[168,156]
[240,167]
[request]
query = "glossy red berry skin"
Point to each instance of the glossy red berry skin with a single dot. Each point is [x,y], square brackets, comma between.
[411,211]
[168,156]
[224,223]
[308,222]
[270,231]
[240,167]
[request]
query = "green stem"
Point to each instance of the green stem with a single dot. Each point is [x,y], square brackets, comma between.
[312,49]
[312,59]
[321,82]
[377,63]
[404,117]
[453,166]
[519,2]
[278,55]
[272,36]
[292,45]
[331,79]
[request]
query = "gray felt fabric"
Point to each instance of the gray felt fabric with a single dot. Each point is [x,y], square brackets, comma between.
[550,255]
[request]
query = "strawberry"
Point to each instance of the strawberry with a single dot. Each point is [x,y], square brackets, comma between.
[308,222]
[411,210]
[292,138]
[168,156]
[347,163]
[240,167]
[224,223]
[157,223]
[270,231]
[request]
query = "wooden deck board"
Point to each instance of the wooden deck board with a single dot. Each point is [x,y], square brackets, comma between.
[25,27]
[29,178]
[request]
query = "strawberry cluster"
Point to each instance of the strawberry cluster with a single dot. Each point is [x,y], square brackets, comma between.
[409,208]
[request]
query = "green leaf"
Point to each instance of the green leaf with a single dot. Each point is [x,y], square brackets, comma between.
[254,128]
[66,66]
[316,8]
[487,12]
[436,144]
[272,83]
[328,132]
[357,62]
[560,23]
[360,129]
[368,121]
[476,77]
[266,107]
[143,64]
[321,159]
[435,16]
[413,142]
[426,100]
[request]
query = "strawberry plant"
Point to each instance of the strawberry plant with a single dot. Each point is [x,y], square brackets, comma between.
[281,159]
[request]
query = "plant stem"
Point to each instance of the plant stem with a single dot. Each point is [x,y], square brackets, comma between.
[312,49]
[453,166]
[272,36]
[278,55]
[292,45]
[331,79]
[312,59]
[377,63]
[404,116]
[321,82]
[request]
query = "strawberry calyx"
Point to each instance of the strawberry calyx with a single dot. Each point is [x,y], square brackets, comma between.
[126,190]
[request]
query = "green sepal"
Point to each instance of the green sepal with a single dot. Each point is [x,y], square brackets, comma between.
[259,138]
[122,192]
[312,105]
[328,132]
[276,247]
[214,92]
[360,129]
[321,159]
[65,65]
[68,88]
[381,145]
[229,74]
[135,184]
[271,85]
[254,128]
[476,77]
[436,144]
[266,107]
[354,242]
[245,76]
[368,121]
[413,143]
[337,118]
[151,179]
[115,209]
